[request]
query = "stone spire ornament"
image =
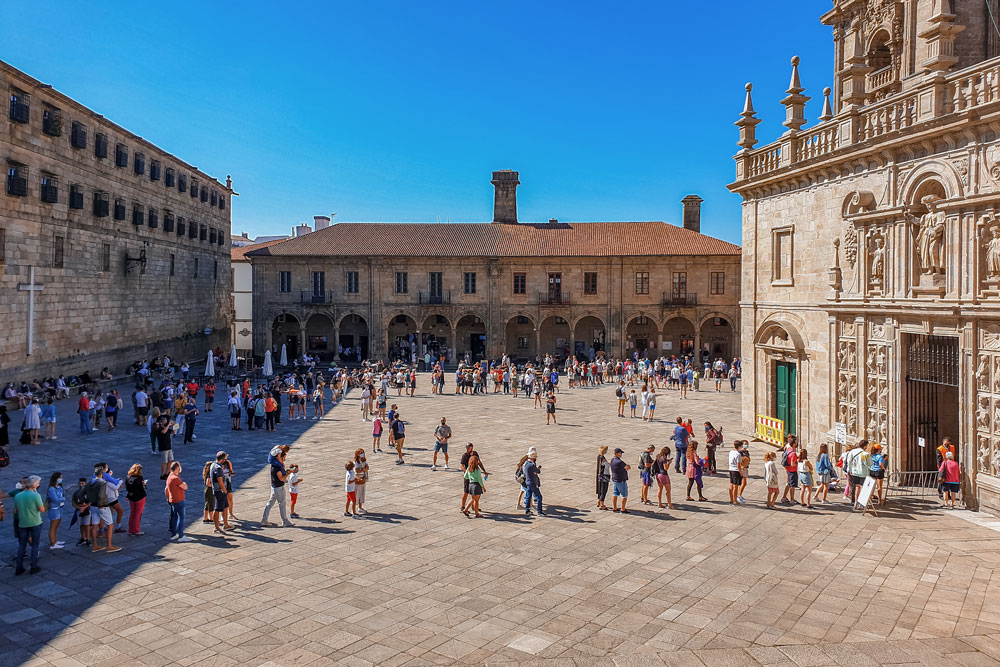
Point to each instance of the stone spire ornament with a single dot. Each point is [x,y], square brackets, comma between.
[748,123]
[827,108]
[795,102]
[939,33]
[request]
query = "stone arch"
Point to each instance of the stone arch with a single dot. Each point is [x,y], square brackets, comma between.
[285,330]
[401,336]
[590,332]
[717,340]
[435,330]
[920,182]
[353,336]
[879,51]
[340,320]
[642,335]
[520,340]
[784,327]
[470,336]
[319,335]
[554,335]
[679,331]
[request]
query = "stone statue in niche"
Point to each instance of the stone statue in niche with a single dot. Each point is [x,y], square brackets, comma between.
[983,372]
[877,262]
[883,395]
[983,414]
[993,254]
[930,235]
[983,455]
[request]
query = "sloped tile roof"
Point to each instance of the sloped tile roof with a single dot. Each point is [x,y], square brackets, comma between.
[238,253]
[477,239]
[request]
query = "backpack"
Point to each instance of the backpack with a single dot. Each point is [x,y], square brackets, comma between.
[519,476]
[97,493]
[619,393]
[784,459]
[714,437]
[80,496]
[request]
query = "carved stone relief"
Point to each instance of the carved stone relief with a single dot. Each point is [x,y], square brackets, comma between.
[847,383]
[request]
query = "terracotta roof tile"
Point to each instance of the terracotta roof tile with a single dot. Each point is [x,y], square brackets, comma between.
[576,239]
[238,253]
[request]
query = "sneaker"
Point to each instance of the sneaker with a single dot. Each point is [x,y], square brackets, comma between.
[18,571]
[288,525]
[194,437]
[434,467]
[56,546]
[355,516]
[445,466]
[114,549]
[60,543]
[173,538]
[740,500]
[80,542]
[347,514]
[185,539]
[294,515]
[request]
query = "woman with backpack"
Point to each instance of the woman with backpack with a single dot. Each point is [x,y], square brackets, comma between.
[603,477]
[111,409]
[713,438]
[519,476]
[135,492]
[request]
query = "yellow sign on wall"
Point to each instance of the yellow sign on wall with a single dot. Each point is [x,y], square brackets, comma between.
[771,430]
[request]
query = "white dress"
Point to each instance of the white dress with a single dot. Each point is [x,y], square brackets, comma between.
[33,416]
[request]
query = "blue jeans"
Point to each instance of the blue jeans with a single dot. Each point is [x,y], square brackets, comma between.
[35,533]
[84,422]
[532,491]
[177,519]
[680,459]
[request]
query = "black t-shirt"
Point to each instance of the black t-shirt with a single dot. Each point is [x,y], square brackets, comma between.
[618,472]
[275,481]
[465,458]
[397,428]
[163,439]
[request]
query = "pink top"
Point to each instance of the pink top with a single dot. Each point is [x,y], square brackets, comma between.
[950,470]
[377,427]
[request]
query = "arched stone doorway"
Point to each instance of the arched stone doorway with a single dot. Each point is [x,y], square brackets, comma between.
[642,334]
[553,337]
[717,339]
[402,338]
[779,381]
[589,337]
[678,334]
[436,334]
[319,336]
[352,341]
[470,335]
[519,337]
[285,330]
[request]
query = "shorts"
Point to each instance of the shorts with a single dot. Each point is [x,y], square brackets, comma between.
[950,486]
[143,411]
[550,409]
[99,514]
[399,440]
[352,497]
[825,478]
[168,455]
[475,489]
[55,514]
[806,479]
[465,486]
[620,489]
[877,474]
[793,478]
[647,478]
[663,479]
[439,446]
[90,518]
[221,501]
[735,477]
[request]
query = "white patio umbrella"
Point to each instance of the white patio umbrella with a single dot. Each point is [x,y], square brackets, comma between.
[284,356]
[210,365]
[268,366]
[233,361]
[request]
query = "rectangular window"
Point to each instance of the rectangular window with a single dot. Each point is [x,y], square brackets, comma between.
[212,235]
[168,221]
[101,204]
[100,145]
[222,202]
[50,189]
[57,252]
[154,218]
[17,180]
[192,229]
[782,251]
[139,164]
[121,155]
[119,209]
[75,196]
[204,193]
[718,285]
[679,287]
[284,281]
[171,263]
[402,282]
[194,188]
[154,170]
[642,282]
[352,282]
[520,283]
[470,282]
[522,342]
[138,215]
[202,233]
[319,283]
[106,257]
[195,267]
[20,106]
[180,227]
[168,177]
[215,198]
[51,121]
[182,183]
[78,135]
[590,282]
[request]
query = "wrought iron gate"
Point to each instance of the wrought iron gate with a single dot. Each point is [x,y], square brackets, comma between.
[931,382]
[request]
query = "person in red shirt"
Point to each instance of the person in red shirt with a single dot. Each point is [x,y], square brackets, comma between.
[792,458]
[83,409]
[192,388]
[174,490]
[209,395]
[950,477]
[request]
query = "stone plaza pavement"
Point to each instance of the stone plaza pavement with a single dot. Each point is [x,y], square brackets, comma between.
[416,583]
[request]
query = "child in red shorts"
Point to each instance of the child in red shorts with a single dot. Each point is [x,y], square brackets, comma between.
[350,509]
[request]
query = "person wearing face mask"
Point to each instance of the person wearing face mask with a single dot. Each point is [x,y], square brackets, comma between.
[54,501]
[361,478]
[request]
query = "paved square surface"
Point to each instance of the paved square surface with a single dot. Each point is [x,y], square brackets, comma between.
[416,583]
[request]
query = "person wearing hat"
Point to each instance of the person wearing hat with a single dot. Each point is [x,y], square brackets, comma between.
[619,481]
[876,470]
[646,472]
[531,470]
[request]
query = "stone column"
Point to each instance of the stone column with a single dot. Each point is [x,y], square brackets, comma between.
[336,340]
[659,342]
[697,343]
[454,343]
[302,338]
[572,341]
[538,341]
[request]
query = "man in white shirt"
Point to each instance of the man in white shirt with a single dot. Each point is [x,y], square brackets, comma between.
[441,434]
[735,476]
[366,396]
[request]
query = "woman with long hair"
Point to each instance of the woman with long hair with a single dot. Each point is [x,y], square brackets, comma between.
[692,472]
[55,498]
[524,488]
[477,478]
[661,468]
[603,477]
[135,492]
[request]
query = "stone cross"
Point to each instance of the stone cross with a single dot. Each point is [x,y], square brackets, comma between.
[31,288]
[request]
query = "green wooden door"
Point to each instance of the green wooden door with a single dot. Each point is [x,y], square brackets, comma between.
[785,395]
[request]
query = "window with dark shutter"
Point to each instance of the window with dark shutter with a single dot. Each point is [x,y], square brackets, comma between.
[101,201]
[214,198]
[100,145]
[154,218]
[20,106]
[106,257]
[204,194]
[75,197]
[194,188]
[138,215]
[168,221]
[139,164]
[121,155]
[181,228]
[195,267]
[168,177]
[154,170]
[182,183]
[78,135]
[192,230]
[50,189]
[211,235]
[222,202]
[203,233]
[17,180]
[51,121]
[119,209]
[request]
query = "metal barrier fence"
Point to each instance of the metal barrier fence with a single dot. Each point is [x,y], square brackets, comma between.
[913,483]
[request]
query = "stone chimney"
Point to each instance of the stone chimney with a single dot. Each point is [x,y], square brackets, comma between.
[320,222]
[692,212]
[301,229]
[505,196]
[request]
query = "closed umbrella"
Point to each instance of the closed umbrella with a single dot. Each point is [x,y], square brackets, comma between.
[233,361]
[268,366]
[210,365]
[284,356]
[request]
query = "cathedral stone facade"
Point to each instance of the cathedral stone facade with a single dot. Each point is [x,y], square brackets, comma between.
[871,241]
[111,249]
[385,290]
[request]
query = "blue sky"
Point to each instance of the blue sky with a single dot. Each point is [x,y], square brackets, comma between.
[392,111]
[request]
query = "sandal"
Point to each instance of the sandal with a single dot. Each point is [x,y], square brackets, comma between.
[690,498]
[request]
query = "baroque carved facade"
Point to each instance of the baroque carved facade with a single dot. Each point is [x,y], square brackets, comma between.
[872,242]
